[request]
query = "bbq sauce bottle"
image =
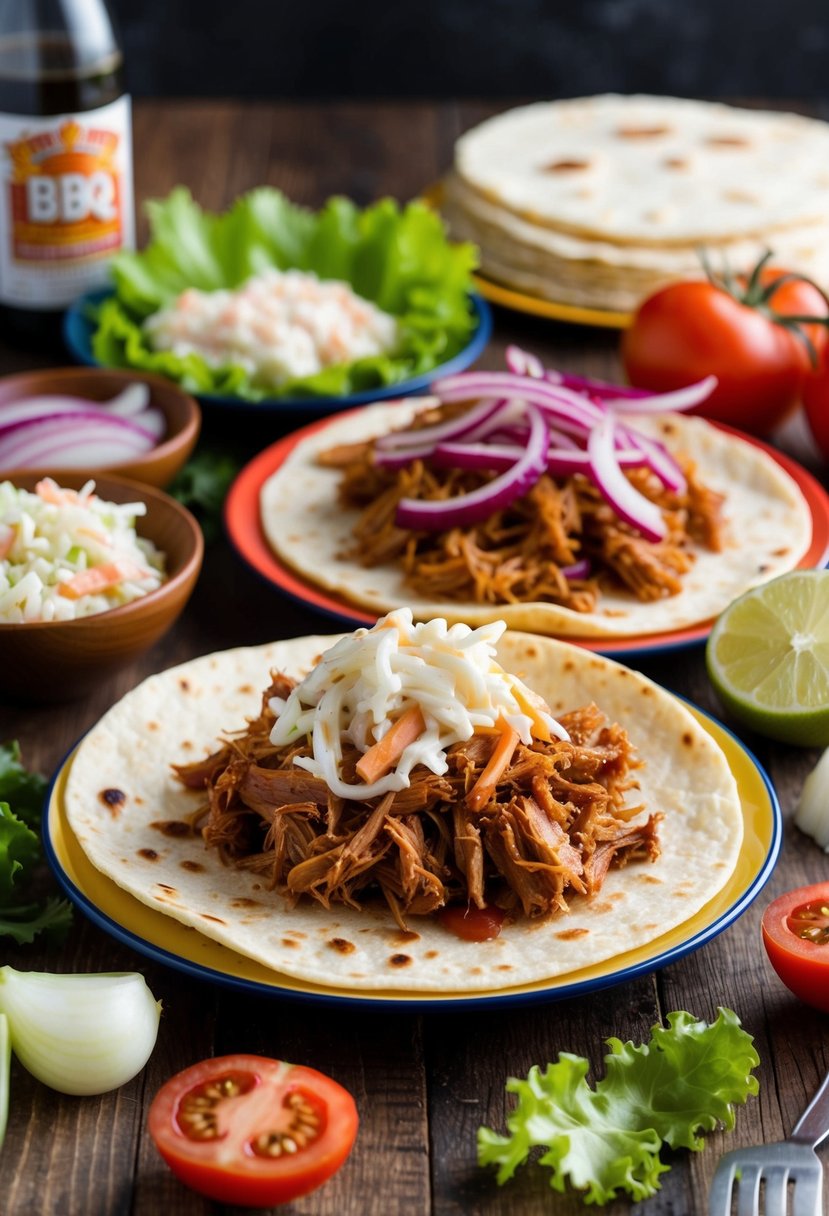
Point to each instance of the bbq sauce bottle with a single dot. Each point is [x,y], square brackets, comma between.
[66,201]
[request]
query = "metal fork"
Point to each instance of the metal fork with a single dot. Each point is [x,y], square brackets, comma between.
[793,1161]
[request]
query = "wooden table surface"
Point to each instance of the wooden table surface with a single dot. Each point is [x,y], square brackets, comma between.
[423,1084]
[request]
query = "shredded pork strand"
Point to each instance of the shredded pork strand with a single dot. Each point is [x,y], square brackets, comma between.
[556,822]
[517,555]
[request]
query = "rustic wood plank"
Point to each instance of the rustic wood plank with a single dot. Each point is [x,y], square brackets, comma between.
[423,1085]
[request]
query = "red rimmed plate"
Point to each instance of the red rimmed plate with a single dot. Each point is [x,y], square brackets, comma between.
[242,521]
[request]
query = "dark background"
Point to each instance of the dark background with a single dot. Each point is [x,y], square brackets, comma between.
[475,48]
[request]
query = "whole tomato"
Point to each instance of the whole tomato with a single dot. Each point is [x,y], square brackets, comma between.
[816,403]
[759,336]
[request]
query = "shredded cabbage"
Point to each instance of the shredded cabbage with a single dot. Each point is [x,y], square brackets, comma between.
[49,537]
[367,680]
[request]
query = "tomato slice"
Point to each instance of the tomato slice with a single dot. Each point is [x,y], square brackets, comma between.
[796,937]
[252,1131]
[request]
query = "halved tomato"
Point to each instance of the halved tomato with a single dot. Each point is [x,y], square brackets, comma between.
[796,937]
[253,1131]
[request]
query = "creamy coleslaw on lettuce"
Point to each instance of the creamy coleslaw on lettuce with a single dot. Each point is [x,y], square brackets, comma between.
[66,554]
[278,326]
[367,681]
[397,257]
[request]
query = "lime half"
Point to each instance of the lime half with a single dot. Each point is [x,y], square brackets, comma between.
[768,658]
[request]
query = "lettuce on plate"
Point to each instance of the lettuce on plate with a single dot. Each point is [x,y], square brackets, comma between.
[397,257]
[607,1139]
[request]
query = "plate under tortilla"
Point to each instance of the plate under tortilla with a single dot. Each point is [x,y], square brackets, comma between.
[244,529]
[167,941]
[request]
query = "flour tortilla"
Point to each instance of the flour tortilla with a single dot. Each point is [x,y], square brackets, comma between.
[768,531]
[598,273]
[600,201]
[657,171]
[178,715]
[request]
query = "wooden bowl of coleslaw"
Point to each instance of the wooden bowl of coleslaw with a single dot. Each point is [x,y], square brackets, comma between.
[58,660]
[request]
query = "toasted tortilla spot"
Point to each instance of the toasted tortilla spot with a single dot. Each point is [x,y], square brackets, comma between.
[403,937]
[194,867]
[651,878]
[184,685]
[152,726]
[342,945]
[431,954]
[476,971]
[207,916]
[246,688]
[163,887]
[400,960]
[148,854]
[244,903]
[186,745]
[642,132]
[687,739]
[569,935]
[290,943]
[504,967]
[172,827]
[113,800]
[566,166]
[728,141]
[568,665]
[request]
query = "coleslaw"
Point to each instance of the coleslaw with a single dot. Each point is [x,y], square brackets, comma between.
[66,554]
[278,326]
[369,680]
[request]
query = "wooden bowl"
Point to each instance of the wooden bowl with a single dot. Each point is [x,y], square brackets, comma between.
[47,661]
[157,467]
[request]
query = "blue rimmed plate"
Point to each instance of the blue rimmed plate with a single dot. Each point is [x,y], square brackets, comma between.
[79,326]
[167,941]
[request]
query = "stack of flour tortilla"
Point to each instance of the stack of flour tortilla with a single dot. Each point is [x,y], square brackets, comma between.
[598,201]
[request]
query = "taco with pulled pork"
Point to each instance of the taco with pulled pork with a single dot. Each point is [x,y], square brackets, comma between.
[413,807]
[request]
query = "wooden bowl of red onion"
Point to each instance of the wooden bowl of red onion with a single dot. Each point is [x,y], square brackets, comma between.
[91,420]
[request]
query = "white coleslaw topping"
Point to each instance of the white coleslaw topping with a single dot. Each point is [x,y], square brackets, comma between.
[367,680]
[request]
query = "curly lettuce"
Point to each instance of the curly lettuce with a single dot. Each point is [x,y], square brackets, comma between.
[397,257]
[606,1140]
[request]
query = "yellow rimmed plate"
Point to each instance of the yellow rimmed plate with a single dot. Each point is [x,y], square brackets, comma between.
[169,942]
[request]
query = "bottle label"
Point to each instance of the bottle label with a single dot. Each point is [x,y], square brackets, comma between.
[66,203]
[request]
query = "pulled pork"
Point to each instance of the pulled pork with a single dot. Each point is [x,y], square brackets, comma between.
[518,555]
[555,824]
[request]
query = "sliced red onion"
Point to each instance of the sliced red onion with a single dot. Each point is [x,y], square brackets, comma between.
[598,389]
[560,462]
[396,458]
[566,407]
[132,400]
[658,459]
[437,516]
[500,456]
[34,442]
[38,407]
[443,430]
[624,498]
[677,400]
[523,363]
[579,569]
[563,463]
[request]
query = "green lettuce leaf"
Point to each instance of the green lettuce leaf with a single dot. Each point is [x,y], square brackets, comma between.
[20,788]
[19,850]
[606,1140]
[397,257]
[23,913]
